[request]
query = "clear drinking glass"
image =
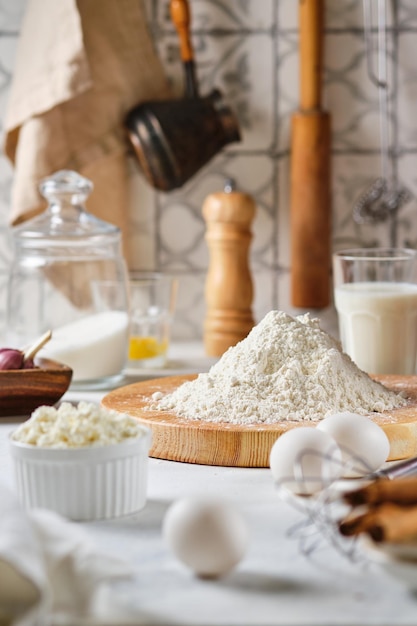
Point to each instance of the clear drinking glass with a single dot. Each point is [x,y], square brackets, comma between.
[152,305]
[375,294]
[59,259]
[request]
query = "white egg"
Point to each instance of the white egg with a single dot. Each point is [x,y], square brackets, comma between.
[209,536]
[364,445]
[305,460]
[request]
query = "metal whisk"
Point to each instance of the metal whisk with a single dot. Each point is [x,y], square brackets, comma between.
[384,197]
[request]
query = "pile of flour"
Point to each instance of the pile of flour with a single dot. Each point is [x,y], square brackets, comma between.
[286,369]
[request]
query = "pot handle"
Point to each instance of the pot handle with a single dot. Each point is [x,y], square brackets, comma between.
[181,17]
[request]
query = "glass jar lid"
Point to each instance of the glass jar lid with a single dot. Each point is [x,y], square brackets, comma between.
[65,219]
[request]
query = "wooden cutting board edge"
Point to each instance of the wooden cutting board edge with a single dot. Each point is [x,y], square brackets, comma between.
[249,445]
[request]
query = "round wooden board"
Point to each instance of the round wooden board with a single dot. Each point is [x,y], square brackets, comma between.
[237,445]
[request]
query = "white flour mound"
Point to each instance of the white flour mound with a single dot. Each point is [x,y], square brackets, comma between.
[285,369]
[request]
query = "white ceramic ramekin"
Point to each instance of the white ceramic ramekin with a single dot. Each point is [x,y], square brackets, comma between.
[84,484]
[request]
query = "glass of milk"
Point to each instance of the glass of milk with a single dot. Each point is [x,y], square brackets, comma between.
[152,306]
[375,292]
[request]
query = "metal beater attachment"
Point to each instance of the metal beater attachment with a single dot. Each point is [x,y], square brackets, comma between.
[377,204]
[384,197]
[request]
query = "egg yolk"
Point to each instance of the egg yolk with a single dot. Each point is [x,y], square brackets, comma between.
[146,347]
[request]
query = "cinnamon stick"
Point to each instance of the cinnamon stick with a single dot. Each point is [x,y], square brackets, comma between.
[399,491]
[387,522]
[356,524]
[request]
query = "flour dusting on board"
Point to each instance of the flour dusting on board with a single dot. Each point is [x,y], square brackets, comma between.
[285,369]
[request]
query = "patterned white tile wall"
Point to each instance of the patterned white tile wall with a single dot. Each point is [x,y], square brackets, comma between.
[249,49]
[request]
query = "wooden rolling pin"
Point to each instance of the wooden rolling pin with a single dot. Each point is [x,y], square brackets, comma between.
[229,287]
[310,171]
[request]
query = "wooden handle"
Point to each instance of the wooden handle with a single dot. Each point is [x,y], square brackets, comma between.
[310,171]
[229,289]
[180,15]
[39,343]
[310,210]
[311,51]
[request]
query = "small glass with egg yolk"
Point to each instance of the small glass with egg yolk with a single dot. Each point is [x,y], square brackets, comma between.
[153,298]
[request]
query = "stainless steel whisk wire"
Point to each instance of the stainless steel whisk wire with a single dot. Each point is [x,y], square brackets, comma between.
[384,197]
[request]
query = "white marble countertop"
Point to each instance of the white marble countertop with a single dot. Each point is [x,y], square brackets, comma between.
[276,583]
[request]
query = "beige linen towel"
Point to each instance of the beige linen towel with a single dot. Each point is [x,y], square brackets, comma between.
[80,67]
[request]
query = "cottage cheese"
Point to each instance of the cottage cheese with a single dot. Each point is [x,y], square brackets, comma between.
[80,426]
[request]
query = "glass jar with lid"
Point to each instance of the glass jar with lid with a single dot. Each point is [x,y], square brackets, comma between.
[69,275]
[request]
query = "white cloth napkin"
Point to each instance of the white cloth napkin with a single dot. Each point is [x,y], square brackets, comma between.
[48,566]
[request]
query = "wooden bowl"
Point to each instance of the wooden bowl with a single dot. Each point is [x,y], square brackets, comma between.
[22,391]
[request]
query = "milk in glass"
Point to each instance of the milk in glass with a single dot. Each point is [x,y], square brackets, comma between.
[378,325]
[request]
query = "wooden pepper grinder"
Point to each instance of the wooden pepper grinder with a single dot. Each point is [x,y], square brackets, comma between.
[229,290]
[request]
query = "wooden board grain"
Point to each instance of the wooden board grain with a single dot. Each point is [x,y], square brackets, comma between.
[249,445]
